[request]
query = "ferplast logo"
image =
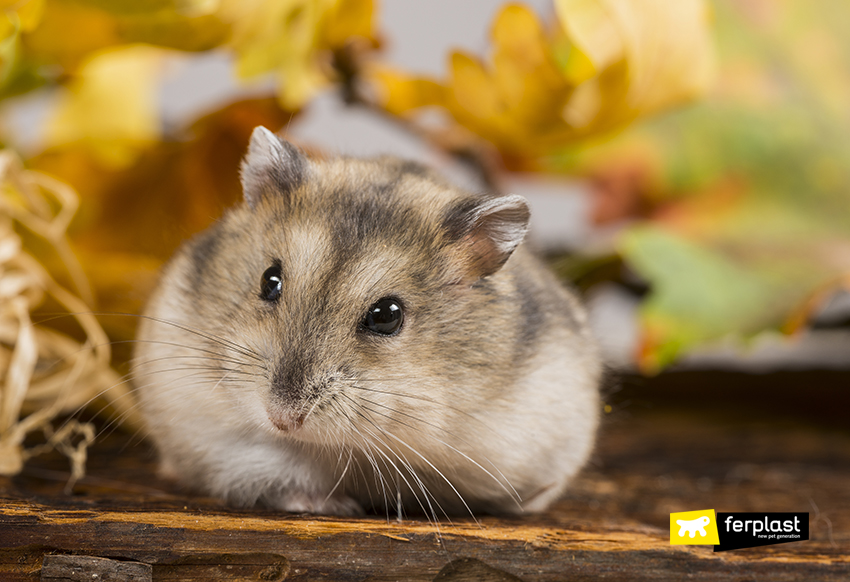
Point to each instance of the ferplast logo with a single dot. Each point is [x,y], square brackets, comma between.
[732,531]
[749,530]
[694,528]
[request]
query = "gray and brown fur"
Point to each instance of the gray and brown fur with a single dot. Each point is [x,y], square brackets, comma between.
[485,399]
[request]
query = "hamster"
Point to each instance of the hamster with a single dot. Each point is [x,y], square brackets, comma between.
[357,334]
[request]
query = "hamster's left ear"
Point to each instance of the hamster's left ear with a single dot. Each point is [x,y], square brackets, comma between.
[272,167]
[483,234]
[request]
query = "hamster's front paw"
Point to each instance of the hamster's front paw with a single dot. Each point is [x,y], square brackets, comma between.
[300,502]
[342,505]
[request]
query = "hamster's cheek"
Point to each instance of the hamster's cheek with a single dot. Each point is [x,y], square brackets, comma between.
[256,410]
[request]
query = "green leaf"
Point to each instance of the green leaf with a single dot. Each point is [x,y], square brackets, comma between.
[699,295]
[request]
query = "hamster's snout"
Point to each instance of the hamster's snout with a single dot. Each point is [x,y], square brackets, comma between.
[295,391]
[291,382]
[287,421]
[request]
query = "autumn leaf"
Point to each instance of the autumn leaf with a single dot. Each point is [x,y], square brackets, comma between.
[700,295]
[16,17]
[517,103]
[69,31]
[401,92]
[545,88]
[135,7]
[294,40]
[110,105]
[664,48]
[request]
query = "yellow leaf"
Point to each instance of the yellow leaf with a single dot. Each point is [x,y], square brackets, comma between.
[665,47]
[28,12]
[527,76]
[516,103]
[135,7]
[173,30]
[69,32]
[472,88]
[8,45]
[544,88]
[349,18]
[400,92]
[519,37]
[110,105]
[521,55]
[15,17]
[293,39]
[591,25]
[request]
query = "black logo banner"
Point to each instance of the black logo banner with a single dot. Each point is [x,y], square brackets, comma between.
[750,530]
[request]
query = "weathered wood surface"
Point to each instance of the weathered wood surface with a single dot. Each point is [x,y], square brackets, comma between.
[652,459]
[64,568]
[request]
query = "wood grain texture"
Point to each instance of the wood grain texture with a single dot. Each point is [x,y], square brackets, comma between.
[87,569]
[651,460]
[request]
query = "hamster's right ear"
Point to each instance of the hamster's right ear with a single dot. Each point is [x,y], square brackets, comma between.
[272,167]
[483,234]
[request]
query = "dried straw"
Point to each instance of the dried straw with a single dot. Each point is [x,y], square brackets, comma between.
[44,373]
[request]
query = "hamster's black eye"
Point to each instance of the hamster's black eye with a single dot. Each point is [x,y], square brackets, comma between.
[384,317]
[270,284]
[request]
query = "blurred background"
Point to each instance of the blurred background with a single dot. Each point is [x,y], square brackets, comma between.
[687,161]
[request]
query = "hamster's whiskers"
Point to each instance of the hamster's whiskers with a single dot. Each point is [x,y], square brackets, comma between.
[116,419]
[203,358]
[430,512]
[504,483]
[124,379]
[408,465]
[499,477]
[366,449]
[342,475]
[366,413]
[356,383]
[218,375]
[224,342]
[316,402]
[369,449]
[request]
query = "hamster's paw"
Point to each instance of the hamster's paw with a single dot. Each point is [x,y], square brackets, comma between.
[300,502]
[342,505]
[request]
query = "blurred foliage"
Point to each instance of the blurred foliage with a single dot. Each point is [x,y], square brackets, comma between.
[741,201]
[733,210]
[601,65]
[108,107]
[294,38]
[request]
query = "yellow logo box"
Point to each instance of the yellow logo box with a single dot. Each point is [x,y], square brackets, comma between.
[694,528]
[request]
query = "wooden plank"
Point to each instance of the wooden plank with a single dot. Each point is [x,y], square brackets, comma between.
[471,570]
[212,567]
[612,524]
[87,569]
[349,549]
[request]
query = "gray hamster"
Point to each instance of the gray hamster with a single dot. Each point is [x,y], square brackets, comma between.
[359,332]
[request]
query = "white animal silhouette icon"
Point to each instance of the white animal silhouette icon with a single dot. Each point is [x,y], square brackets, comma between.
[692,526]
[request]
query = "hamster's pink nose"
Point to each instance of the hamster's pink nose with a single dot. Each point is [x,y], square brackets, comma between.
[287,422]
